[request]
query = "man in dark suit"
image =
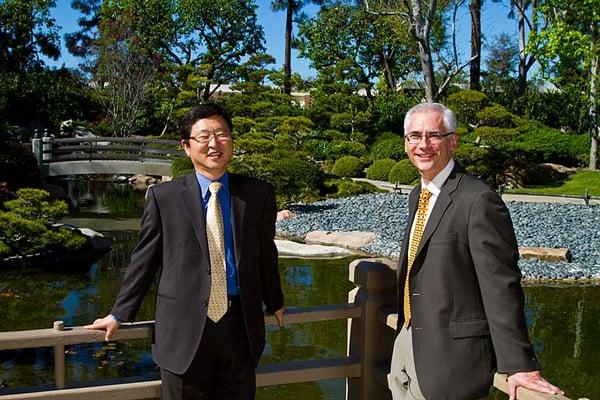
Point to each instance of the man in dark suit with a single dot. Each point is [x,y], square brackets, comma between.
[200,355]
[460,314]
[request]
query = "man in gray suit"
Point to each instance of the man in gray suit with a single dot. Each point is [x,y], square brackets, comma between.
[460,314]
[202,356]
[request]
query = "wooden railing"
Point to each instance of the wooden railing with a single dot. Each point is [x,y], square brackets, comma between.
[371,325]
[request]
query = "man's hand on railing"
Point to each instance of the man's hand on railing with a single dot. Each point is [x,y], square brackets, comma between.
[279,315]
[530,380]
[108,324]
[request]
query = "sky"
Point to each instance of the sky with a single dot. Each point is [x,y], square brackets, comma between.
[494,21]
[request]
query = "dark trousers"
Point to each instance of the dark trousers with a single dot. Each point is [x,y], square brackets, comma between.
[222,368]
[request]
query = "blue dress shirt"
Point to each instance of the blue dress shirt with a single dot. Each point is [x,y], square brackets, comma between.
[225,200]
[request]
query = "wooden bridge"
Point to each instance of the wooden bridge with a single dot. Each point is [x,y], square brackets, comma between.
[371,325]
[105,155]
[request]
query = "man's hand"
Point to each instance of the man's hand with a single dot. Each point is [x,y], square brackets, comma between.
[279,315]
[108,324]
[530,380]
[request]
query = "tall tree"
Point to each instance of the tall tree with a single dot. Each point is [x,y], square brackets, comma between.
[292,8]
[80,42]
[27,31]
[501,61]
[573,36]
[358,47]
[215,35]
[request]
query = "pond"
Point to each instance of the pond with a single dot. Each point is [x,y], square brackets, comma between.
[563,320]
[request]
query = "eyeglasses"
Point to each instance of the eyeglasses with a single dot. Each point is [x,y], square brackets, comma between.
[432,137]
[204,138]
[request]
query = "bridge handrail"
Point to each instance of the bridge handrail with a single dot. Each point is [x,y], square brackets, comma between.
[104,139]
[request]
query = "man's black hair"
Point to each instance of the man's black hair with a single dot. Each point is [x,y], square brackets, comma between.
[202,111]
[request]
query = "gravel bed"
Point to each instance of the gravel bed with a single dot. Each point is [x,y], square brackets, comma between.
[576,227]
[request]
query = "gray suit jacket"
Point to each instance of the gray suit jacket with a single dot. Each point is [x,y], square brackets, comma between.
[172,244]
[466,297]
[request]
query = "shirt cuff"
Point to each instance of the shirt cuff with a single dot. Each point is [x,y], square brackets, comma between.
[116,318]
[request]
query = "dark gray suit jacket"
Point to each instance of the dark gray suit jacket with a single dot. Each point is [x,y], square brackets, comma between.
[172,243]
[466,297]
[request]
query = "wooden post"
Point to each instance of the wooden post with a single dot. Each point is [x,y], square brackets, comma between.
[59,358]
[369,340]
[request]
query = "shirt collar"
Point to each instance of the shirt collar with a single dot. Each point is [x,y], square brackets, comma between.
[204,182]
[435,186]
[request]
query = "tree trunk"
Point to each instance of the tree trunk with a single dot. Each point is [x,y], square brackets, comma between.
[523,68]
[428,74]
[594,129]
[287,65]
[475,69]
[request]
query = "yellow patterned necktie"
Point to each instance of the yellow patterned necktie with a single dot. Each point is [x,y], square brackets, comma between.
[414,246]
[217,303]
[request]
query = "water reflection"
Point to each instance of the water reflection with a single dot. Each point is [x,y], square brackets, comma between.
[564,323]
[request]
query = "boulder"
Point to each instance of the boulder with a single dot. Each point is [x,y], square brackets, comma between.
[350,239]
[545,253]
[142,182]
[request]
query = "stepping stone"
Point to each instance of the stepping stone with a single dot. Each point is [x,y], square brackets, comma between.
[350,239]
[545,253]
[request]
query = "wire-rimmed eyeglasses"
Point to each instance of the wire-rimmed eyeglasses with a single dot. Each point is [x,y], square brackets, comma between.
[432,137]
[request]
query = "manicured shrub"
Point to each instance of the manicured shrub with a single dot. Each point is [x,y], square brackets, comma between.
[388,146]
[317,148]
[491,135]
[18,167]
[404,173]
[478,161]
[496,116]
[380,169]
[295,180]
[466,104]
[347,166]
[341,148]
[347,187]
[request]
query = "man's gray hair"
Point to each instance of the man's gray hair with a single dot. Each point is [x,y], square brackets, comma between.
[447,114]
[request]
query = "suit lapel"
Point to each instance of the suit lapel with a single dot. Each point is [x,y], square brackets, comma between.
[238,207]
[441,205]
[412,210]
[192,201]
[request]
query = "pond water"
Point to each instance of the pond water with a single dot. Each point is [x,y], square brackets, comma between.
[563,320]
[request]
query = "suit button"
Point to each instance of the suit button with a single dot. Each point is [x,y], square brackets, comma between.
[204,302]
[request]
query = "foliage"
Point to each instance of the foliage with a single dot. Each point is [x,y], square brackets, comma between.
[348,166]
[181,166]
[346,187]
[501,61]
[317,148]
[18,167]
[380,169]
[295,180]
[404,173]
[26,225]
[341,148]
[490,136]
[495,116]
[388,146]
[478,161]
[27,32]
[466,104]
[390,109]
[539,144]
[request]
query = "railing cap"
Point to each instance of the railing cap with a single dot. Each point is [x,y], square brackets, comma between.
[373,274]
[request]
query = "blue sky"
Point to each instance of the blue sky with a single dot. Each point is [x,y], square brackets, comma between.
[494,21]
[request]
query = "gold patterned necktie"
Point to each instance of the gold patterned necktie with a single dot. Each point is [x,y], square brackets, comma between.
[414,246]
[217,304]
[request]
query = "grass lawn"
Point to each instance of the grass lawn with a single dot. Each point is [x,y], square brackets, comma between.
[574,185]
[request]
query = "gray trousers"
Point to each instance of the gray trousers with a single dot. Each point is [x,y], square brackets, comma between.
[402,379]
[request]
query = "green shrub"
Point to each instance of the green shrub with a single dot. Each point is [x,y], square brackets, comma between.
[490,135]
[18,166]
[404,173]
[495,116]
[539,144]
[317,148]
[181,166]
[347,166]
[380,169]
[341,148]
[539,174]
[466,104]
[296,180]
[242,125]
[347,187]
[388,146]
[478,161]
[390,109]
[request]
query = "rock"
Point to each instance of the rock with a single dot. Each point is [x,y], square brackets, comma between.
[294,249]
[141,182]
[350,239]
[545,253]
[560,168]
[285,214]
